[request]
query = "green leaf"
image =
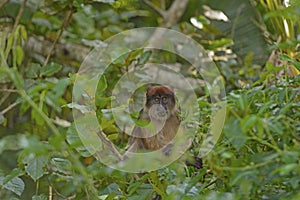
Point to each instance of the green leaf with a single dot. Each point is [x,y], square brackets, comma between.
[39,197]
[50,69]
[271,68]
[275,126]
[134,54]
[60,87]
[286,169]
[101,102]
[33,70]
[52,100]
[16,78]
[77,3]
[9,44]
[214,44]
[242,102]
[35,164]
[137,184]
[1,118]
[102,84]
[16,185]
[141,123]
[248,122]
[112,188]
[61,164]
[37,117]
[23,32]
[294,62]
[240,176]
[144,57]
[18,55]
[74,140]
[119,55]
[114,136]
[234,133]
[290,157]
[13,174]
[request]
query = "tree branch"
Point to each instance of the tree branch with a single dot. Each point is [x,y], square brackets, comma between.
[65,24]
[155,8]
[2,4]
[174,13]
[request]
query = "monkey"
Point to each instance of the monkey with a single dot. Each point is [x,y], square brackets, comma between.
[161,111]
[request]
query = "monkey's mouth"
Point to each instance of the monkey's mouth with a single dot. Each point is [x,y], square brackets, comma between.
[158,112]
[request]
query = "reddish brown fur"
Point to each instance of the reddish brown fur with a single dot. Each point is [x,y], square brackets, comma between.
[159,90]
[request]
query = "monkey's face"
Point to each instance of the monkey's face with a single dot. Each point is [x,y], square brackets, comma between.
[160,102]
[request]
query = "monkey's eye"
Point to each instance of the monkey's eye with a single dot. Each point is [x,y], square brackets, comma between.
[156,100]
[164,99]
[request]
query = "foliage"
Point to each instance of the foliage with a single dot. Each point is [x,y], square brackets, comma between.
[41,154]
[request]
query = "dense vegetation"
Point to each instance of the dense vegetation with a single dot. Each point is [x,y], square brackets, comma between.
[254,44]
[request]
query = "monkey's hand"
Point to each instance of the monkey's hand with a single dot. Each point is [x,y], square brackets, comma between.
[167,149]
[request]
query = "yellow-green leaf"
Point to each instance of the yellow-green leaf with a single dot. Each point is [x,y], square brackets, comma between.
[18,55]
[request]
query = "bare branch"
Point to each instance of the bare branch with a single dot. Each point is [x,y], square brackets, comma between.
[65,24]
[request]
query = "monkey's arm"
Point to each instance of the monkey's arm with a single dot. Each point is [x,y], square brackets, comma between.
[134,143]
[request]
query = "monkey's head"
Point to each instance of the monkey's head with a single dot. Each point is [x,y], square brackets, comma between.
[160,102]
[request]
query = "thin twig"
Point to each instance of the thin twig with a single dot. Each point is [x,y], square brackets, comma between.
[11,106]
[2,4]
[211,183]
[19,15]
[155,8]
[8,90]
[65,24]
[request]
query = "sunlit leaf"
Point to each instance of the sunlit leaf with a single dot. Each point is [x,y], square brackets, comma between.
[16,185]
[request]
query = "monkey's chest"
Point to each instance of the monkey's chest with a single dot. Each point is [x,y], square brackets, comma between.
[161,139]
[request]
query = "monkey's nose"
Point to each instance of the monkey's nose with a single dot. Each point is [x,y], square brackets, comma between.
[161,111]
